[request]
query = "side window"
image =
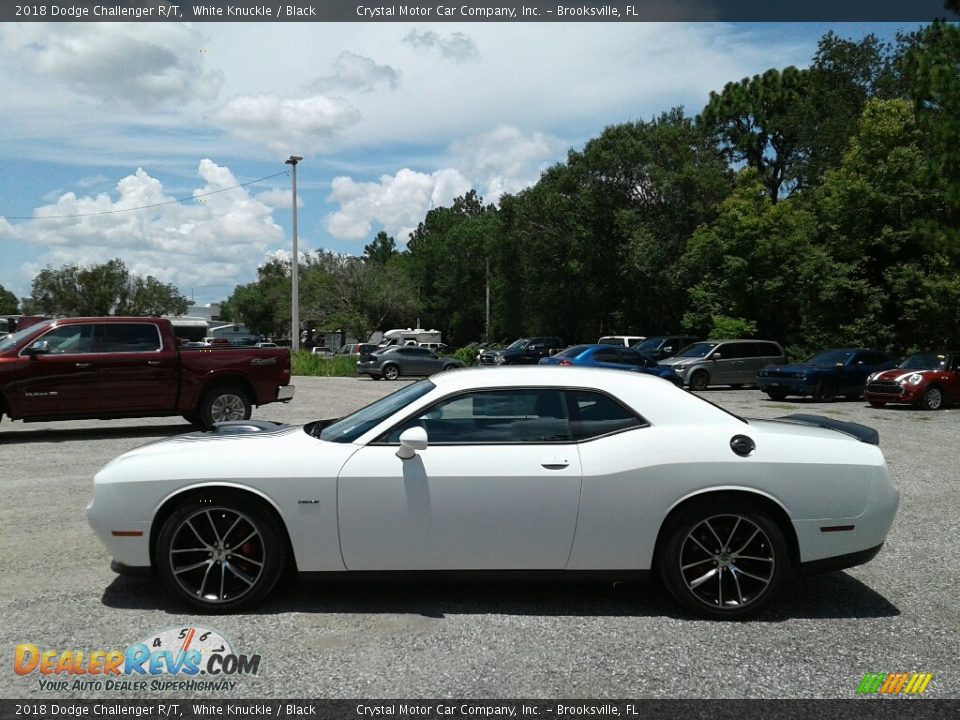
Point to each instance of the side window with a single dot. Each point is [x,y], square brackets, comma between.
[496,416]
[766,349]
[128,337]
[593,414]
[626,357]
[69,339]
[605,355]
[733,350]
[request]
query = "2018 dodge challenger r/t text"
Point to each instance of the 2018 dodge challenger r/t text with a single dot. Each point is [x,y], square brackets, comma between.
[525,469]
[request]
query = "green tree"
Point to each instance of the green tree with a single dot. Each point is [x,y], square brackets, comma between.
[381,250]
[9,305]
[107,289]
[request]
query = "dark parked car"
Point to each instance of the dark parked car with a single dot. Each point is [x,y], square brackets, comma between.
[824,376]
[525,351]
[930,380]
[396,361]
[613,357]
[356,348]
[660,347]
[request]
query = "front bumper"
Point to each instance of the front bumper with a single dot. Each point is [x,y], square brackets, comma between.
[893,392]
[785,385]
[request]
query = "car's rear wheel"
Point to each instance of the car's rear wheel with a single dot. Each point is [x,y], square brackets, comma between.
[724,560]
[699,380]
[224,403]
[932,399]
[220,552]
[391,372]
[825,391]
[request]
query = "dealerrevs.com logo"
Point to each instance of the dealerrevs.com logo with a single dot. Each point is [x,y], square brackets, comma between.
[185,658]
[894,683]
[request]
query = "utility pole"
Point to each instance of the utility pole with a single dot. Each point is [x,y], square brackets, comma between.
[295,265]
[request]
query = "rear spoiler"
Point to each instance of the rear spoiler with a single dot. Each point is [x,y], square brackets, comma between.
[860,432]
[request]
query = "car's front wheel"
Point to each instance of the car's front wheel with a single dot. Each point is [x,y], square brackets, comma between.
[724,560]
[825,391]
[699,380]
[220,552]
[932,399]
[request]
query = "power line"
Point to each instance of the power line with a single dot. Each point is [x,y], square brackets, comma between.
[141,207]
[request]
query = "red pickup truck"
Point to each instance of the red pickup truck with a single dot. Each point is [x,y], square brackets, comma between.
[112,367]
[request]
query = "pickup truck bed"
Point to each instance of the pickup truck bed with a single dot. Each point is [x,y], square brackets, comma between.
[111,367]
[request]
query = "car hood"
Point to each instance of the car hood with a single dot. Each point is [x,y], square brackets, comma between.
[677,360]
[235,451]
[899,374]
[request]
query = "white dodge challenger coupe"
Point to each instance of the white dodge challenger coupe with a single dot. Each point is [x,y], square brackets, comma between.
[523,469]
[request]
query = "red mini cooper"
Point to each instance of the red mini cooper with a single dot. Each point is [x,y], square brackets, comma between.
[930,380]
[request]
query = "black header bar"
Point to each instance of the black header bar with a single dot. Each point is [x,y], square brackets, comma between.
[460,11]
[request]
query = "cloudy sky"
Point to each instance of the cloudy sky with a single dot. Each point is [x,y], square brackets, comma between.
[164,144]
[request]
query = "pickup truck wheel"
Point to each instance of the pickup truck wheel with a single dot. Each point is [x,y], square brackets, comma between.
[224,403]
[391,372]
[220,552]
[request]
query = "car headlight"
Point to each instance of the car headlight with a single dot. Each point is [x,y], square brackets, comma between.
[914,379]
[680,366]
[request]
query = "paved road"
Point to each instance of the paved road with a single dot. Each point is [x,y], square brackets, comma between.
[898,613]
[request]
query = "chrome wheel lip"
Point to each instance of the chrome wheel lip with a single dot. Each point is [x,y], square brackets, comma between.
[228,407]
[197,546]
[713,572]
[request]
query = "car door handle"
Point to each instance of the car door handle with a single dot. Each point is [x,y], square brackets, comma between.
[153,362]
[555,463]
[81,365]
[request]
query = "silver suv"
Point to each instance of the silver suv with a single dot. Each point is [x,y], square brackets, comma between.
[724,362]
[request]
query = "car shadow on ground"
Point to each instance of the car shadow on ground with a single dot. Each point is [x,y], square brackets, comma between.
[48,435]
[830,596]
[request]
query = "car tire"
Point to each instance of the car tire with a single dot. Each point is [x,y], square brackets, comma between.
[224,403]
[932,398]
[729,580]
[197,564]
[825,391]
[391,372]
[776,395]
[447,368]
[699,380]
[877,403]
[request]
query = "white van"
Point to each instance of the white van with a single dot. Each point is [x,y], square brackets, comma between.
[624,340]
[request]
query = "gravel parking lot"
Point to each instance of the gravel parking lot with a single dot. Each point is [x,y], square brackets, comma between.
[899,613]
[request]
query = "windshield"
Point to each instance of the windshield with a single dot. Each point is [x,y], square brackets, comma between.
[925,361]
[829,358]
[11,340]
[649,344]
[353,426]
[573,351]
[699,349]
[516,344]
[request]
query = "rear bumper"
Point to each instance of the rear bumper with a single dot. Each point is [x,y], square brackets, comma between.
[840,562]
[285,393]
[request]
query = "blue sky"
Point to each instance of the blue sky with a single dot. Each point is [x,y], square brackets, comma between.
[391,119]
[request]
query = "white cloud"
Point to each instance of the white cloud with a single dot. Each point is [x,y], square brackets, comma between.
[133,64]
[279,198]
[206,246]
[456,46]
[505,160]
[356,72]
[287,125]
[398,202]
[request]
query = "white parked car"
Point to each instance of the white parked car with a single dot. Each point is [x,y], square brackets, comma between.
[562,469]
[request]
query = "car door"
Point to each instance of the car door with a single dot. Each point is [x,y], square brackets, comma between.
[61,379]
[609,357]
[497,488]
[862,364]
[728,367]
[136,371]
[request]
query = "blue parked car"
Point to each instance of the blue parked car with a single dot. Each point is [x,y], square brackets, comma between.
[614,357]
[824,376]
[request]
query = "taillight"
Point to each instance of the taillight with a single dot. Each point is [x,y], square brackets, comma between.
[565,362]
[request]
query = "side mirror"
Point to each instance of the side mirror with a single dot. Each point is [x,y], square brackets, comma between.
[717,356]
[411,440]
[668,349]
[40,347]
